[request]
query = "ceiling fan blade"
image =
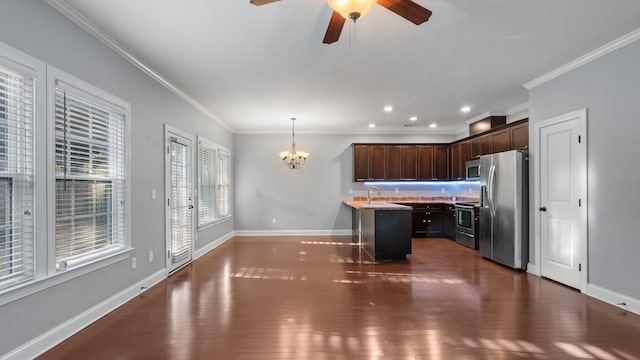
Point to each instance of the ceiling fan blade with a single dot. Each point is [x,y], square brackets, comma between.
[262,2]
[408,10]
[334,29]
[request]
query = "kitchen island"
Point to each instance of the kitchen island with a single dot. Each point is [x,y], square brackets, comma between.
[382,229]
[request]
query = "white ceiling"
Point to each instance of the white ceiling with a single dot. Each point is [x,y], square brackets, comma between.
[255,67]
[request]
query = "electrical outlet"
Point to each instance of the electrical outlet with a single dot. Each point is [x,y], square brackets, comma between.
[350,191]
[397,191]
[442,190]
[273,221]
[150,255]
[134,263]
[153,194]
[470,191]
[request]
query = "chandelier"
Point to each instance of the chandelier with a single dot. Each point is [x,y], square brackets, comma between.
[352,9]
[292,158]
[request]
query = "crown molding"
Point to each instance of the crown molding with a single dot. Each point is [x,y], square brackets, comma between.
[84,23]
[585,59]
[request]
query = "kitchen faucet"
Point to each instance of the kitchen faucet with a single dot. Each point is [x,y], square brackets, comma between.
[369,193]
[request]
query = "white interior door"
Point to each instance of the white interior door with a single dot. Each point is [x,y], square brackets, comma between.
[179,214]
[562,201]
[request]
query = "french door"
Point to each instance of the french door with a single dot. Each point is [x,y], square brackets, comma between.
[179,199]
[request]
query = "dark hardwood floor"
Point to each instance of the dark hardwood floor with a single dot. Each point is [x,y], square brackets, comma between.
[321,298]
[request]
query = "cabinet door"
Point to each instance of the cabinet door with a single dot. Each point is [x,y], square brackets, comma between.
[520,136]
[500,141]
[393,162]
[464,157]
[418,224]
[376,162]
[475,148]
[485,144]
[409,162]
[449,220]
[441,162]
[434,223]
[454,151]
[360,162]
[425,162]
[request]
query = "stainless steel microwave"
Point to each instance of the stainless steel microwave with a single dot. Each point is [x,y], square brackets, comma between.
[473,170]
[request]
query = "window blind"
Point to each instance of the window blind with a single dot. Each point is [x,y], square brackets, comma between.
[16,177]
[181,213]
[90,178]
[224,184]
[206,183]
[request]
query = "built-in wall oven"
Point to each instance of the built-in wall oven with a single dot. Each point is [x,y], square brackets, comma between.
[465,224]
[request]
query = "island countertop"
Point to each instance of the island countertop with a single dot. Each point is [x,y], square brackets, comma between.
[380,205]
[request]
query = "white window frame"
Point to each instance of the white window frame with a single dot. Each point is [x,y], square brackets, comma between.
[45,274]
[213,207]
[60,79]
[26,65]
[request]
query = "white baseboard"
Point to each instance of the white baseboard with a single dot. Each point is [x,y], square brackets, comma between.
[533,269]
[291,232]
[615,299]
[65,330]
[212,245]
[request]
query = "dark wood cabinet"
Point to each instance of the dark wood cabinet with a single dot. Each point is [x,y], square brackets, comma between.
[360,162]
[519,135]
[500,141]
[409,168]
[441,162]
[425,162]
[368,162]
[449,221]
[433,162]
[408,162]
[393,162]
[427,220]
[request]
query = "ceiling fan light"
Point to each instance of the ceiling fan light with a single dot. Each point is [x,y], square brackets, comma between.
[352,9]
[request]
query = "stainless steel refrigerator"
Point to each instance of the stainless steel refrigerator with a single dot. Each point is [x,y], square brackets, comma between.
[504,208]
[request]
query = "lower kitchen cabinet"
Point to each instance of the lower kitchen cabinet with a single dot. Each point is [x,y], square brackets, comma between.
[449,221]
[427,220]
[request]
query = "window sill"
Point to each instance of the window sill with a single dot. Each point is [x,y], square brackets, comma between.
[23,290]
[215,222]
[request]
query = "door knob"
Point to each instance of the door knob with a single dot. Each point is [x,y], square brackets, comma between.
[543,209]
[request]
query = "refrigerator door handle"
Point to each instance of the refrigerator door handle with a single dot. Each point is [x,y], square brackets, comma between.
[492,178]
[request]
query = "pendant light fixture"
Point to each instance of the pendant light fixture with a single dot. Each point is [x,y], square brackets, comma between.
[293,159]
[352,9]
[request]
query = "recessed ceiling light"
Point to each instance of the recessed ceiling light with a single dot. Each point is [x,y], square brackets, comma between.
[372,125]
[388,108]
[433,125]
[413,118]
[465,109]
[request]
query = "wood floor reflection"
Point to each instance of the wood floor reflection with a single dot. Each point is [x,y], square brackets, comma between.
[319,297]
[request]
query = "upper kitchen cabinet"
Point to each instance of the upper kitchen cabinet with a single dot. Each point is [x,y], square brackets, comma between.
[479,146]
[368,162]
[500,141]
[393,162]
[458,156]
[519,134]
[409,162]
[433,162]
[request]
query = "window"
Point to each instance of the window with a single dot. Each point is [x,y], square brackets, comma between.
[90,172]
[224,184]
[17,95]
[213,182]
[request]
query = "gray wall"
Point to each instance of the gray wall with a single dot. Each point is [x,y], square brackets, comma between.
[33,27]
[310,198]
[609,88]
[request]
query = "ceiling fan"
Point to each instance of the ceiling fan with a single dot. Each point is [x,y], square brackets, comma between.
[355,9]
